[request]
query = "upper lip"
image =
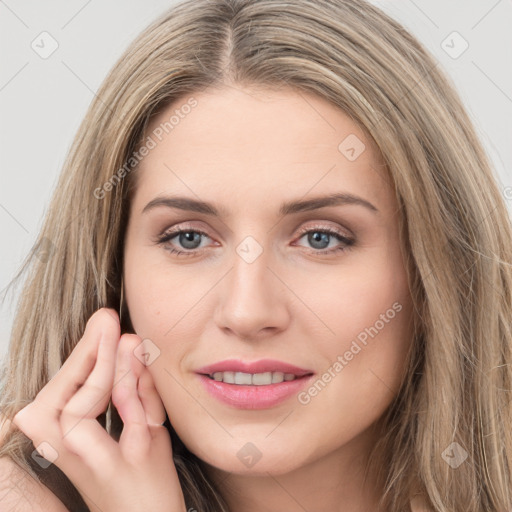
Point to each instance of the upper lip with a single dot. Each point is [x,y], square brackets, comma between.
[261,366]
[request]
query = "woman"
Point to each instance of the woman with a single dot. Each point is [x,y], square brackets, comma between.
[278,235]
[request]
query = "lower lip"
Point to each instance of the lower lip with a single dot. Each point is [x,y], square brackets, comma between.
[254,397]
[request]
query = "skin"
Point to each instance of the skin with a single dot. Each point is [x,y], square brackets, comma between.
[247,151]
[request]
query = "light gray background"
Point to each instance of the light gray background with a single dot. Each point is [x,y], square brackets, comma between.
[43,100]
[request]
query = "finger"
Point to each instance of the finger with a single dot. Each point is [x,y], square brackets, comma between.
[51,399]
[77,367]
[93,396]
[151,402]
[135,437]
[82,432]
[40,420]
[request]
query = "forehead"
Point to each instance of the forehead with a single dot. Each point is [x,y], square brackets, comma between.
[266,146]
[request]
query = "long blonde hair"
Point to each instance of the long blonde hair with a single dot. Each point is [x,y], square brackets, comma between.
[455,231]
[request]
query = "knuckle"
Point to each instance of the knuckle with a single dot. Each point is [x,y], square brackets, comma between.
[71,413]
[91,390]
[24,417]
[69,440]
[74,428]
[121,395]
[32,423]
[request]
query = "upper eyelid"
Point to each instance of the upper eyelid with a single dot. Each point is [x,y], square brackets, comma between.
[320,227]
[187,226]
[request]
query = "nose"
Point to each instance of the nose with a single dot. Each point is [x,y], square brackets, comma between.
[252,300]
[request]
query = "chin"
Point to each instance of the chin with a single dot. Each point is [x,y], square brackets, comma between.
[255,459]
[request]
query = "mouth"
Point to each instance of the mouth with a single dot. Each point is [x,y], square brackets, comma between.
[253,385]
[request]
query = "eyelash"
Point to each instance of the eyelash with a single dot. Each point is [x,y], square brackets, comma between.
[169,235]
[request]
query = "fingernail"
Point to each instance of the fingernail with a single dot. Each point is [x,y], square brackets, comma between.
[151,424]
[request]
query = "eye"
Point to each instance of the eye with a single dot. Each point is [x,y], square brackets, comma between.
[189,239]
[320,238]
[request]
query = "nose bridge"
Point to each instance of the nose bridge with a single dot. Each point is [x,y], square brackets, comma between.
[249,277]
[251,297]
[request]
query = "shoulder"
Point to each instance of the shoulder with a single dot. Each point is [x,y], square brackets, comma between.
[20,492]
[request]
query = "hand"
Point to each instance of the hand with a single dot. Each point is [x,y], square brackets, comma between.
[134,474]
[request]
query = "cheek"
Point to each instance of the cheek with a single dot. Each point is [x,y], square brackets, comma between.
[364,366]
[349,299]
[161,296]
[167,305]
[366,310]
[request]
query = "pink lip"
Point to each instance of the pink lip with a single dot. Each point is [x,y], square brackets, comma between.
[253,397]
[261,366]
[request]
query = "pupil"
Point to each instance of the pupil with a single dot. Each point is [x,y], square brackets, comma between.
[187,239]
[316,237]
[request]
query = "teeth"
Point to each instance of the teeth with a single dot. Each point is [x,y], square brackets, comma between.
[243,378]
[229,377]
[252,379]
[277,377]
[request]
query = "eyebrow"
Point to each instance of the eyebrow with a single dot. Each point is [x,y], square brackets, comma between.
[287,208]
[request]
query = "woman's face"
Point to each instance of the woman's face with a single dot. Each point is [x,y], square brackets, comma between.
[270,269]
